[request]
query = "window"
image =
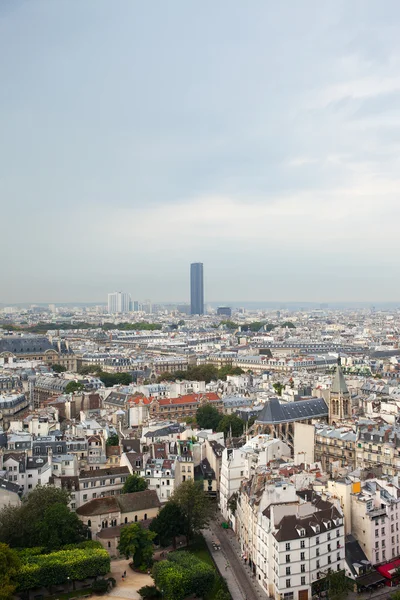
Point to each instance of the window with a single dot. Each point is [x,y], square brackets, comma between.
[383,531]
[317,564]
[145,517]
[329,560]
[329,547]
[288,583]
[73,505]
[287,570]
[135,518]
[287,558]
[287,546]
[302,568]
[317,540]
[376,532]
[30,486]
[85,496]
[112,481]
[303,581]
[302,544]
[317,552]
[94,495]
[30,476]
[288,596]
[89,523]
[302,556]
[337,533]
[338,556]
[329,536]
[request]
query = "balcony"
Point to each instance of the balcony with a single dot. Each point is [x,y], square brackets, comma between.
[376,513]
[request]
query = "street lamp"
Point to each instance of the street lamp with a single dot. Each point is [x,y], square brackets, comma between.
[68,579]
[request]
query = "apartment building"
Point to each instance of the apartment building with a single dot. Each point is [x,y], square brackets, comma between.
[335,446]
[290,539]
[375,519]
[379,445]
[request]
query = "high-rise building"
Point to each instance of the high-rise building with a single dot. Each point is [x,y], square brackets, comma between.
[224,311]
[118,302]
[196,289]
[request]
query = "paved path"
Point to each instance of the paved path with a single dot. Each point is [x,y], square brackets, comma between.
[126,590]
[238,578]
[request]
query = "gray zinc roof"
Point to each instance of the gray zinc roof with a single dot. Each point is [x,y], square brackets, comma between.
[275,411]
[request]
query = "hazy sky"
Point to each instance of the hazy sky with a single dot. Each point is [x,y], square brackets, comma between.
[261,138]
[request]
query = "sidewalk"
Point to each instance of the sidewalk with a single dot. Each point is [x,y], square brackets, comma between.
[221,561]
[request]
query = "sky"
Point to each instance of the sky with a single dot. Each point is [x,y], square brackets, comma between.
[261,138]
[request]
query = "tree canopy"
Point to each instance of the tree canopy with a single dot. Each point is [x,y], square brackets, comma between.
[9,566]
[208,417]
[194,505]
[207,373]
[43,518]
[113,440]
[134,483]
[168,524]
[137,542]
[231,422]
[74,386]
[58,368]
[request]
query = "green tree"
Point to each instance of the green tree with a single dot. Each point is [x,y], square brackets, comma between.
[74,386]
[208,417]
[58,527]
[137,542]
[20,525]
[288,324]
[278,387]
[113,440]
[134,483]
[87,369]
[181,322]
[9,566]
[229,370]
[338,584]
[58,368]
[232,423]
[168,524]
[195,507]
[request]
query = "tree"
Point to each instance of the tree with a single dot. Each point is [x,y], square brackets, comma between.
[338,584]
[58,527]
[278,387]
[134,483]
[58,368]
[21,526]
[232,423]
[74,386]
[9,566]
[113,440]
[87,369]
[208,417]
[229,370]
[168,524]
[194,505]
[137,542]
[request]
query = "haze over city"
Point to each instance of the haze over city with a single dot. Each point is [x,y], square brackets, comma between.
[261,140]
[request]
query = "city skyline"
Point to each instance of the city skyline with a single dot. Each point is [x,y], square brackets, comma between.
[263,141]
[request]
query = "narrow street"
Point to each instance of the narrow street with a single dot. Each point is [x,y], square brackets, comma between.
[239,580]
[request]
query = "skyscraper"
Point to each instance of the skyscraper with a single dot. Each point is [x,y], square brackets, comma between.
[119,302]
[196,289]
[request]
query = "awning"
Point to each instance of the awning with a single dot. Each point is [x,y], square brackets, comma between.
[370,579]
[390,569]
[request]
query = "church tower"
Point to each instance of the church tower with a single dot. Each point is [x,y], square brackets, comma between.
[339,397]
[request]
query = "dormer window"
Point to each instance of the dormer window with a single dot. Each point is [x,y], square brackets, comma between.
[328,524]
[302,532]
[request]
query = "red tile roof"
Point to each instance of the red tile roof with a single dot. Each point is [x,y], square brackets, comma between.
[189,399]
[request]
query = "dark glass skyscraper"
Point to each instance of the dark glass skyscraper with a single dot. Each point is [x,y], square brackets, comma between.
[196,289]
